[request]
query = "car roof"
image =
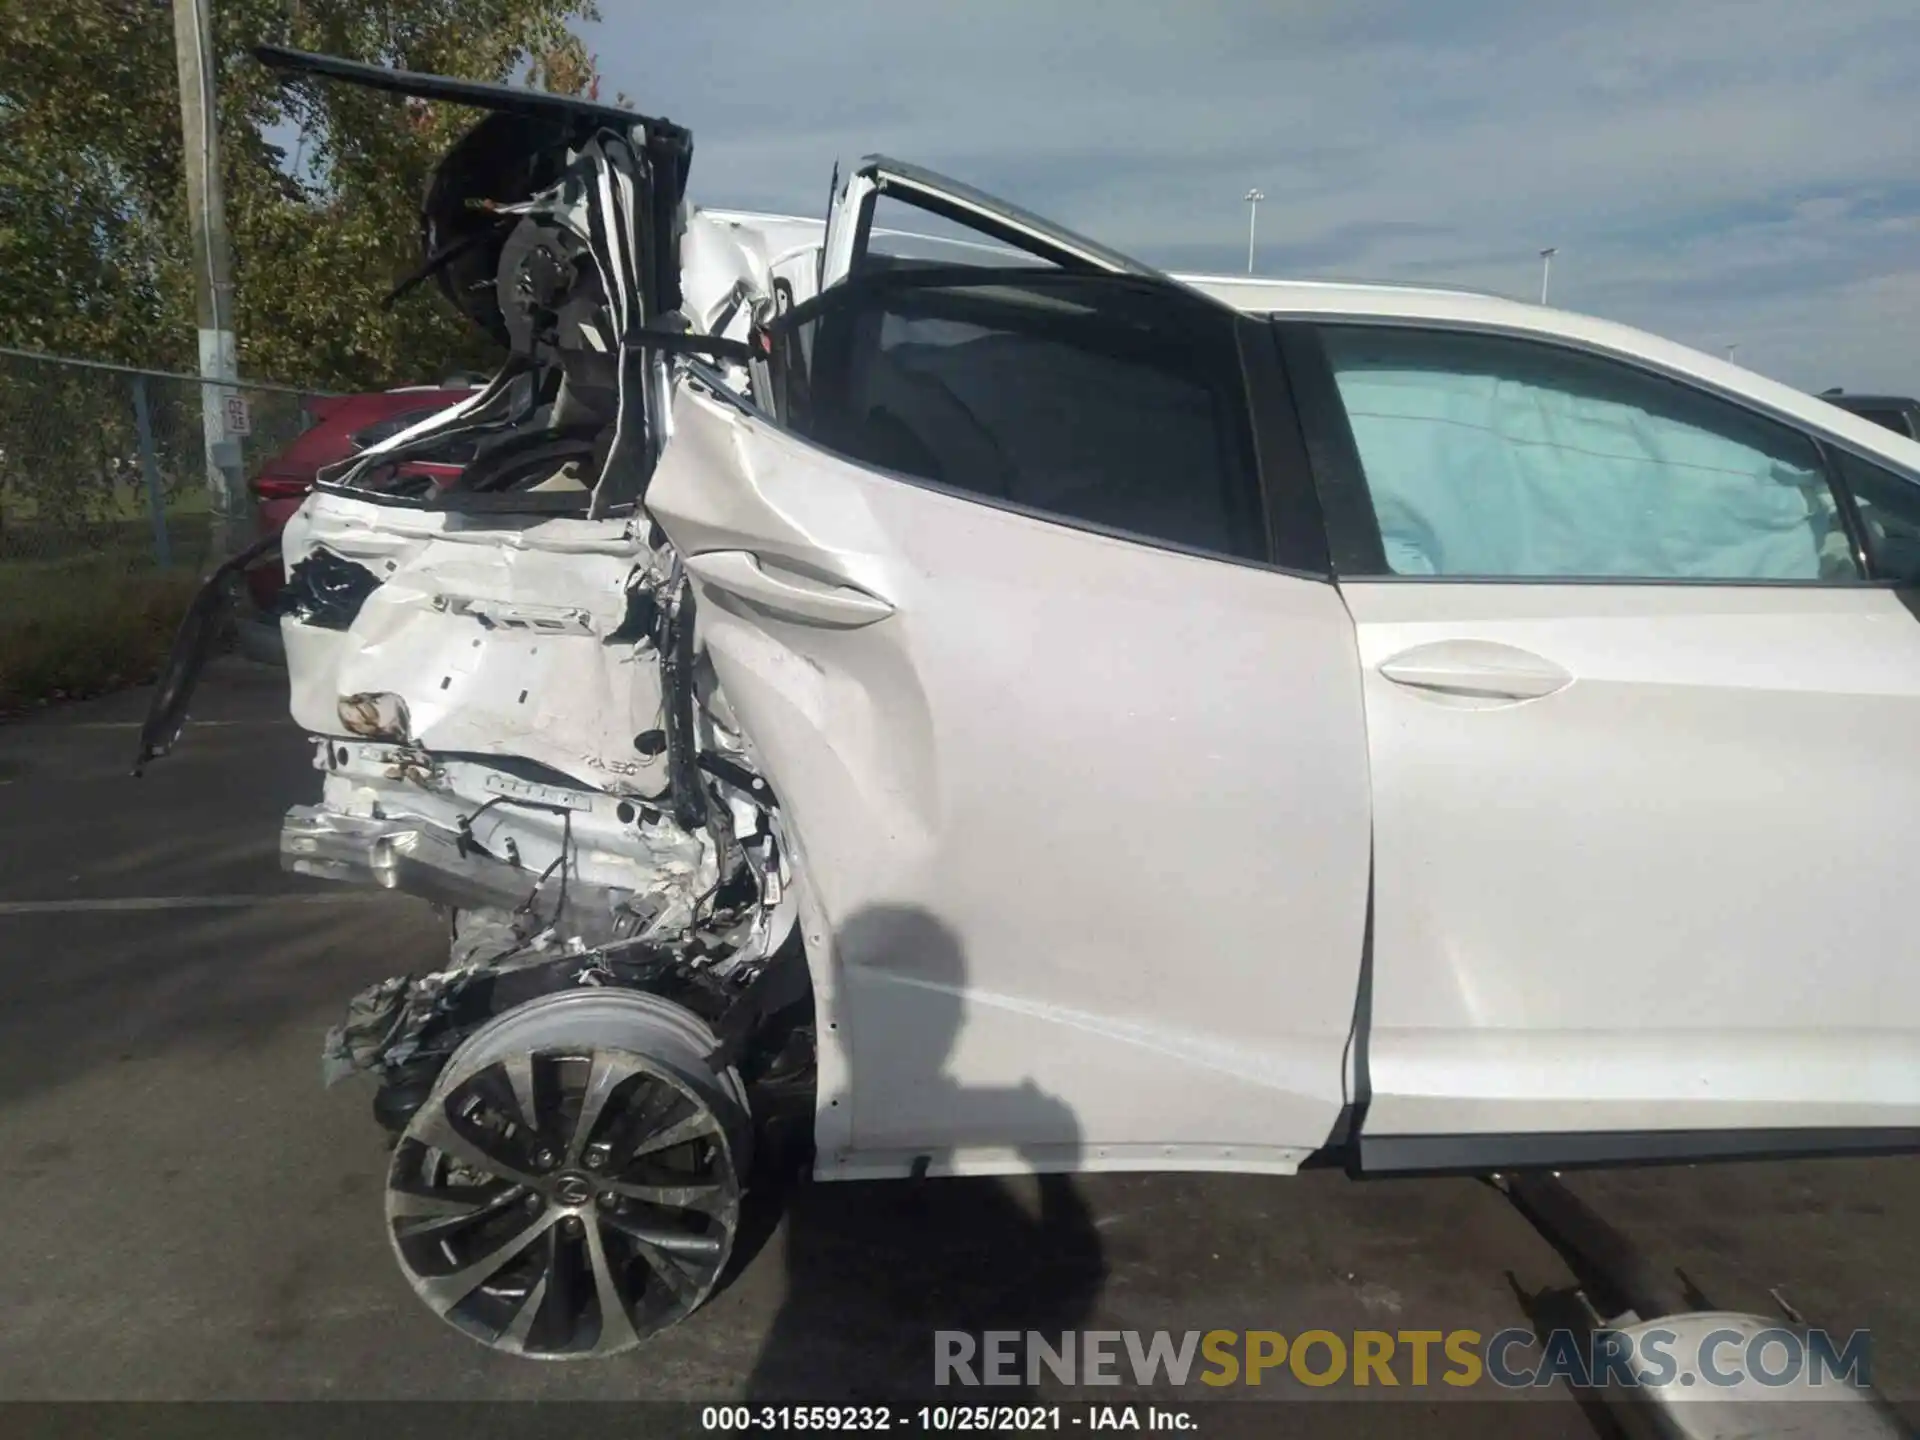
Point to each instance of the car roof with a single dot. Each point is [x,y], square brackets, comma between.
[1847,399]
[1467,309]
[1375,302]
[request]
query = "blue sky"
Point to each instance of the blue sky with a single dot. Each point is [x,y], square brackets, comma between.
[1738,172]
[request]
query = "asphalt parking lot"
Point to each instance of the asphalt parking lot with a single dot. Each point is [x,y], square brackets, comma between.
[188,1215]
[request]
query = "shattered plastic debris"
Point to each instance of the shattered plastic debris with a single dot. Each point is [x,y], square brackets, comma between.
[387,1022]
[326,590]
[362,1042]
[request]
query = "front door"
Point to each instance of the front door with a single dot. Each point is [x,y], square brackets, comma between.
[1644,748]
[1076,781]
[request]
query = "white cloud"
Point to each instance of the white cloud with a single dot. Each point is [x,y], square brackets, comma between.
[1724,171]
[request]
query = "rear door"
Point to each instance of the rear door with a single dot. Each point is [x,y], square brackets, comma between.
[1643,706]
[1065,726]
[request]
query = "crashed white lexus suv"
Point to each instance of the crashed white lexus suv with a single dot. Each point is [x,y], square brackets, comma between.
[1046,714]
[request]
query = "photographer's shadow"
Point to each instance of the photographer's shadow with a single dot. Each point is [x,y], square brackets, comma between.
[875,1268]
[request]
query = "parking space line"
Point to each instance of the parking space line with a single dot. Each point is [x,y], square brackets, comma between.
[136,724]
[185,902]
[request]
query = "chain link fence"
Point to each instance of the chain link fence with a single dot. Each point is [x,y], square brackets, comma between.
[106,465]
[106,514]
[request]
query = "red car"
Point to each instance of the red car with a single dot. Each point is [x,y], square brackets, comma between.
[342,424]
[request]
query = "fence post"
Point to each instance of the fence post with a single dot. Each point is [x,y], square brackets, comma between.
[150,472]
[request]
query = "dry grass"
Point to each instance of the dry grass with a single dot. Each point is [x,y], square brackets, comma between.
[81,627]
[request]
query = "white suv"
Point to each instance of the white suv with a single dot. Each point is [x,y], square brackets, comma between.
[1075,718]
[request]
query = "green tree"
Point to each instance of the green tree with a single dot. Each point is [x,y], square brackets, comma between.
[94,248]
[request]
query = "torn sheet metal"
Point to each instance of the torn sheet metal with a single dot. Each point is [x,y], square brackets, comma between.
[466,834]
[731,261]
[510,641]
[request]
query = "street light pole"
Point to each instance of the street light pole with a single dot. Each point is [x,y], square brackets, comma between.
[1546,269]
[212,262]
[1730,350]
[1254,197]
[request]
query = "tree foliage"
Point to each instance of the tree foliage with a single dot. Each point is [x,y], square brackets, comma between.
[95,255]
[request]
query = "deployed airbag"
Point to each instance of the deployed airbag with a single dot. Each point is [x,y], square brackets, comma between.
[1482,459]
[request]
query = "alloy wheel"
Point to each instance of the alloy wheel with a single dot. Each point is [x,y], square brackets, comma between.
[565,1200]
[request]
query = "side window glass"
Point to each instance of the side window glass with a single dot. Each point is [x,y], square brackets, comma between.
[1087,399]
[1889,506]
[1500,458]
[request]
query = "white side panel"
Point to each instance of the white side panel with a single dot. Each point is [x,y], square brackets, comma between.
[496,635]
[1085,820]
[1672,894]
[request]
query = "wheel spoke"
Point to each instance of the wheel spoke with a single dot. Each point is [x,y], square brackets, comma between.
[443,1292]
[650,1105]
[683,1286]
[432,1212]
[692,1128]
[519,1070]
[410,1204]
[695,1249]
[434,1127]
[708,1199]
[563,1282]
[514,1337]
[616,1323]
[603,1078]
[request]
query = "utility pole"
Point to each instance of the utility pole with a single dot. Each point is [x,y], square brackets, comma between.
[212,263]
[1254,197]
[1546,269]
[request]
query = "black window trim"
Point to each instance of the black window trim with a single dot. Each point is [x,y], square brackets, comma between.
[1353,530]
[1290,521]
[1850,517]
[1290,502]
[970,209]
